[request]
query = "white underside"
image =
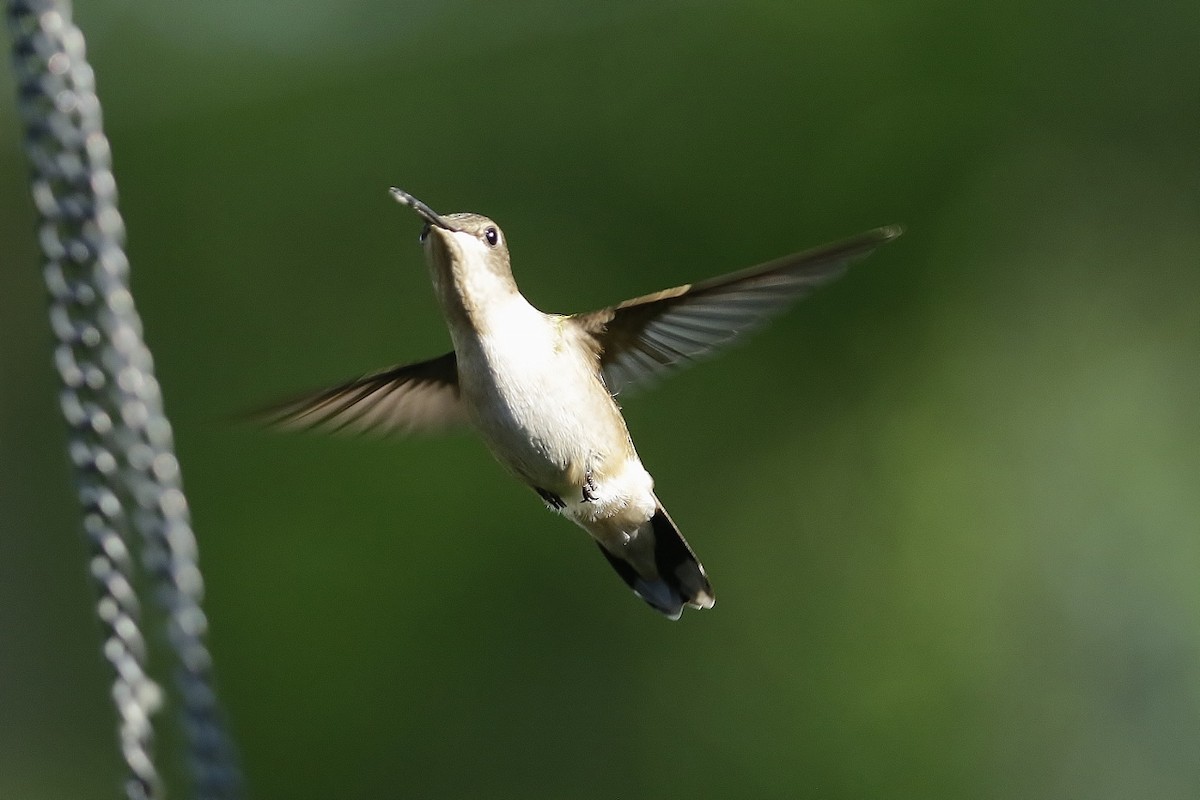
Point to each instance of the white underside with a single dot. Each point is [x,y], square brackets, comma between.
[623,502]
[535,396]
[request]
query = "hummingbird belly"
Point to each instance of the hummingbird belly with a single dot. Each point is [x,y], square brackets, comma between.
[544,413]
[549,433]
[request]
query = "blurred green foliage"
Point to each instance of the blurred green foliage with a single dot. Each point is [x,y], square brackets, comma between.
[950,506]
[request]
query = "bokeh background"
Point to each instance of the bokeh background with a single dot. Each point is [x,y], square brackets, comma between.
[950,506]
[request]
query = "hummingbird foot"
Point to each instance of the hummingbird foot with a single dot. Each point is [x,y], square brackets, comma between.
[589,487]
[552,500]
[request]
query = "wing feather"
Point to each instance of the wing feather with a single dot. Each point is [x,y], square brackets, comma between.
[642,339]
[406,399]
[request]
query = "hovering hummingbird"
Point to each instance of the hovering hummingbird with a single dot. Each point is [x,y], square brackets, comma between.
[540,388]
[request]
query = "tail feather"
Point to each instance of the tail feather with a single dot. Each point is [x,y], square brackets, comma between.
[660,567]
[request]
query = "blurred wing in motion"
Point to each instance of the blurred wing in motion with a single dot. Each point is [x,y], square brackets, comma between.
[641,339]
[400,400]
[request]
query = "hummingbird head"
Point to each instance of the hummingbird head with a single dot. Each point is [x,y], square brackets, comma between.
[467,256]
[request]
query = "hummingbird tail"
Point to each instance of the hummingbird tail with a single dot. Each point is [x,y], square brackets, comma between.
[660,567]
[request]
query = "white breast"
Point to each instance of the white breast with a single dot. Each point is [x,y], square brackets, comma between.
[536,399]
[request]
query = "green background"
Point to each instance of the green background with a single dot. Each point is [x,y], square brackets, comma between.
[950,506]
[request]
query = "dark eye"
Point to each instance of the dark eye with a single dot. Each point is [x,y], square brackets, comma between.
[492,236]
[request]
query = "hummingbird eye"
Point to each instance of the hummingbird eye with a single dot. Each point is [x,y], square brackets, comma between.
[492,236]
[424,234]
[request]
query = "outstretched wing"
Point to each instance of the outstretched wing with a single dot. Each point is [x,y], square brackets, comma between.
[641,339]
[400,400]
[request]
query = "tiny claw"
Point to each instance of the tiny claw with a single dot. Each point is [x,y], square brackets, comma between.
[550,498]
[589,487]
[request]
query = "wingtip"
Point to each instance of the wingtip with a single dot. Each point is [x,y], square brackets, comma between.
[889,232]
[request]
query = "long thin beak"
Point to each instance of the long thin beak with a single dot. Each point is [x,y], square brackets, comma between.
[426,213]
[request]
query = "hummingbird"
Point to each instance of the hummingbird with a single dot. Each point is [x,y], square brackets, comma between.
[541,389]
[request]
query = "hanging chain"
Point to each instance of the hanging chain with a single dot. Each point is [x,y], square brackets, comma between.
[119,441]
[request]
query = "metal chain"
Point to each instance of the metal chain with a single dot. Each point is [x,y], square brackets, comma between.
[119,441]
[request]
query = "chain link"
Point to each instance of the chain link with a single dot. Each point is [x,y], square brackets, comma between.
[119,442]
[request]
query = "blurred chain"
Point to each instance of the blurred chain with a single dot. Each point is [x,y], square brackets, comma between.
[119,442]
